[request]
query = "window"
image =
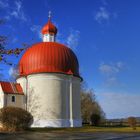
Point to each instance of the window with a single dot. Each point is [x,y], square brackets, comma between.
[13,98]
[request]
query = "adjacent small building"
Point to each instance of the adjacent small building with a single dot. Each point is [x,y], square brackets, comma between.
[11,94]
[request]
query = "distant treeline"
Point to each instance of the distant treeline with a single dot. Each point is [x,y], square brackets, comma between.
[118,122]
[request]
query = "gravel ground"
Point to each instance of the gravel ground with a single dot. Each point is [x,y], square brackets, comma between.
[70,136]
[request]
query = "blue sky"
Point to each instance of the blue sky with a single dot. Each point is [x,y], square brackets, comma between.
[104,34]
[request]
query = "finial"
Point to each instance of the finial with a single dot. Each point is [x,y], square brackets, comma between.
[49,16]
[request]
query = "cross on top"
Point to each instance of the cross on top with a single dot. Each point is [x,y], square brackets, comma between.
[50,13]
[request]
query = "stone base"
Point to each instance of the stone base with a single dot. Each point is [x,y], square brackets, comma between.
[57,123]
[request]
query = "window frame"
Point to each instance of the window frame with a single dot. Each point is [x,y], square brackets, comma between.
[13,98]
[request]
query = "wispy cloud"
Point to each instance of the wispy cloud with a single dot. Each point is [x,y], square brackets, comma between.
[13,72]
[102,15]
[18,11]
[14,10]
[37,30]
[73,39]
[119,104]
[110,71]
[111,81]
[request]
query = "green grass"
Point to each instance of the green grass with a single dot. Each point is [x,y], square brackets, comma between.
[87,129]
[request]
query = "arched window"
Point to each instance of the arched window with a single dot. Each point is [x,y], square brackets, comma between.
[13,98]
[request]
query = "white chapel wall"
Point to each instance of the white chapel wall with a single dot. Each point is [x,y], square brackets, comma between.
[48,99]
[1,97]
[23,83]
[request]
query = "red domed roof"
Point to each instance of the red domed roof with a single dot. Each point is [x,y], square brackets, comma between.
[48,57]
[49,28]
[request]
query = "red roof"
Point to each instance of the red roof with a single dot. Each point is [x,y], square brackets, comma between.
[49,57]
[49,28]
[11,88]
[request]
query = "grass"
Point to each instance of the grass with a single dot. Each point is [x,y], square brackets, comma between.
[87,129]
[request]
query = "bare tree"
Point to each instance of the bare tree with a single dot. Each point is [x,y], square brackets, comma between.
[132,122]
[90,107]
[33,102]
[34,106]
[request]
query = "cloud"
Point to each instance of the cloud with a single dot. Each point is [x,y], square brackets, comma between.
[120,65]
[110,72]
[13,10]
[13,72]
[18,11]
[109,69]
[111,81]
[73,39]
[36,29]
[102,15]
[118,105]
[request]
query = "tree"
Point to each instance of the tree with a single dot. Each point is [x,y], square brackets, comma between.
[14,118]
[132,122]
[95,119]
[5,52]
[89,106]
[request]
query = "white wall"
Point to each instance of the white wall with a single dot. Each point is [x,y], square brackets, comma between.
[19,100]
[48,99]
[76,102]
[23,83]
[1,97]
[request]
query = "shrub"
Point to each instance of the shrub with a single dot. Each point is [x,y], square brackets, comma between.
[95,119]
[132,122]
[14,119]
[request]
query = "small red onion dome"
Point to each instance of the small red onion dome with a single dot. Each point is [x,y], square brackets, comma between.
[49,28]
[50,57]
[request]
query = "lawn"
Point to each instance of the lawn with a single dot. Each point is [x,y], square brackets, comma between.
[88,129]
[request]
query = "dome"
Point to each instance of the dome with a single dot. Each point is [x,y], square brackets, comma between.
[48,57]
[49,28]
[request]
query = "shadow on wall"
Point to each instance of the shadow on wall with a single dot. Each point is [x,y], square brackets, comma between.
[35,105]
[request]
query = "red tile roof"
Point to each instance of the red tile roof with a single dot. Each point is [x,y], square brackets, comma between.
[11,88]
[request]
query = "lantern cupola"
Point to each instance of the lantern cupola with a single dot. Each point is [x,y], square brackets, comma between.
[49,31]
